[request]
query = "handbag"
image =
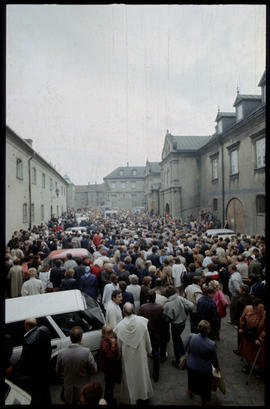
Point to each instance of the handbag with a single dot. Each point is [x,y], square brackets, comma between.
[215,379]
[183,359]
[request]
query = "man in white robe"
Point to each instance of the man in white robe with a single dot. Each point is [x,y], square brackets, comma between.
[134,345]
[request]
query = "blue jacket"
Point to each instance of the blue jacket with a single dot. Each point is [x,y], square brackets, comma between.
[202,354]
[88,284]
[207,310]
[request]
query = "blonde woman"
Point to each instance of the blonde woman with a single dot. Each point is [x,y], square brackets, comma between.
[220,300]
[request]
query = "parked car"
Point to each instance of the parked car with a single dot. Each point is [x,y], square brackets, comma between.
[61,254]
[15,395]
[77,229]
[59,312]
[220,233]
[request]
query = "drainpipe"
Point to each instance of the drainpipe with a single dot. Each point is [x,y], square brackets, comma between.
[223,180]
[30,193]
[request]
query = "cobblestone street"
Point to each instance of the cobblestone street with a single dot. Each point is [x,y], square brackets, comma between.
[171,389]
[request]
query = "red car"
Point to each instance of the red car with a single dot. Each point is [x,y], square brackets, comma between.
[61,254]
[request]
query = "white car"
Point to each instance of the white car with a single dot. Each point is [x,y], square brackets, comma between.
[59,312]
[220,233]
[15,395]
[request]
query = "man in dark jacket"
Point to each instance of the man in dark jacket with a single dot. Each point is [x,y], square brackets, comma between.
[57,273]
[35,361]
[153,312]
[126,296]
[88,283]
[207,310]
[154,257]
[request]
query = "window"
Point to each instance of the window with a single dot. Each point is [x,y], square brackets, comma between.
[215,168]
[215,204]
[219,127]
[239,112]
[34,176]
[260,204]
[32,212]
[55,185]
[234,162]
[113,185]
[61,190]
[43,180]
[133,185]
[51,184]
[260,153]
[123,185]
[19,169]
[42,212]
[25,215]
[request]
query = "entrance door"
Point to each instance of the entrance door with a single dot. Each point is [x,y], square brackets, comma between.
[235,216]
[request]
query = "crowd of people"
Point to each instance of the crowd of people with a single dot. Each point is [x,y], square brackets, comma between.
[150,275]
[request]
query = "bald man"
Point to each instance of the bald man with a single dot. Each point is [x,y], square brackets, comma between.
[35,360]
[135,345]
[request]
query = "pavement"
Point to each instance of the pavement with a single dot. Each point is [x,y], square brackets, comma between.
[171,389]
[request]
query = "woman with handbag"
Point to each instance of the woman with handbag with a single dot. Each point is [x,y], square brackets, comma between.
[202,355]
[252,328]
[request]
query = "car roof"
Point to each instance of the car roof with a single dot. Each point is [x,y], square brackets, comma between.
[76,252]
[220,231]
[40,305]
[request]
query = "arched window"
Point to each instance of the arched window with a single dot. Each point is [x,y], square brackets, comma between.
[19,168]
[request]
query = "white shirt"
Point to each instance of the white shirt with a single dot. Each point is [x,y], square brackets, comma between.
[32,286]
[107,293]
[177,270]
[113,314]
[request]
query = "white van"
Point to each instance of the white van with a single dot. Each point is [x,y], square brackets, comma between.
[15,395]
[59,312]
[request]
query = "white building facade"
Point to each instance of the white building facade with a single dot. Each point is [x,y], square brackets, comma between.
[34,189]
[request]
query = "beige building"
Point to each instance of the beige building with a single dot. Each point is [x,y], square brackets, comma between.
[89,195]
[34,189]
[223,173]
[124,187]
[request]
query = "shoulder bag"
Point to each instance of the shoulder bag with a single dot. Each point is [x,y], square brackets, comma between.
[183,359]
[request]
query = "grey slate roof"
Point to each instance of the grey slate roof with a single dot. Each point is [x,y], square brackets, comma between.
[263,79]
[68,180]
[87,188]
[190,142]
[127,172]
[242,97]
[225,114]
[154,167]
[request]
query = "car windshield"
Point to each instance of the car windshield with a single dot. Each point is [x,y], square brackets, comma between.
[93,310]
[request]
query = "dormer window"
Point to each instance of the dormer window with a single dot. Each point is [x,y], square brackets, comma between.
[219,127]
[134,172]
[239,112]
[121,173]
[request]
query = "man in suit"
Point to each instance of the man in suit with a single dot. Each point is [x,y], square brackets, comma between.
[35,361]
[77,364]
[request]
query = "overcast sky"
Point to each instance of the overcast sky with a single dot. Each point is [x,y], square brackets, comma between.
[97,86]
